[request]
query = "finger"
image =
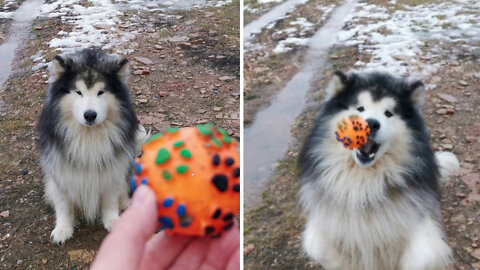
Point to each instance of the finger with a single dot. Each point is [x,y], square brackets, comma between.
[124,246]
[234,262]
[221,249]
[193,255]
[162,250]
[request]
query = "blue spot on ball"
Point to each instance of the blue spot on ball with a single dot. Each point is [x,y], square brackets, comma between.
[167,222]
[181,210]
[133,184]
[139,168]
[186,223]
[144,181]
[167,202]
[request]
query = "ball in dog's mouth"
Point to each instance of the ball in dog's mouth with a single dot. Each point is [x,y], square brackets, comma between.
[366,153]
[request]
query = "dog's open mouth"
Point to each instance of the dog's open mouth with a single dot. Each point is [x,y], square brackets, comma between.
[366,153]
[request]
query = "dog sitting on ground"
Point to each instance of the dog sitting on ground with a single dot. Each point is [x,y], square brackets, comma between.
[89,135]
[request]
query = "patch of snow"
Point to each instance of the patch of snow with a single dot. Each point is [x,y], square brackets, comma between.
[272,16]
[286,44]
[296,36]
[269,1]
[395,40]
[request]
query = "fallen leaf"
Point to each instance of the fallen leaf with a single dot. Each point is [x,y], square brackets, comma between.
[5,214]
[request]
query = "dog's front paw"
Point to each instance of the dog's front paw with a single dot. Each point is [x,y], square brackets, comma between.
[61,234]
[108,222]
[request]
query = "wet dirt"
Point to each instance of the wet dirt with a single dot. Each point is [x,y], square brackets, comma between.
[183,86]
[261,152]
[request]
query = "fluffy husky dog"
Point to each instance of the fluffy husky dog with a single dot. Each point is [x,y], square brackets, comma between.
[377,207]
[89,135]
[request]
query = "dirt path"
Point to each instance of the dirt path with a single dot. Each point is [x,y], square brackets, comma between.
[193,78]
[272,229]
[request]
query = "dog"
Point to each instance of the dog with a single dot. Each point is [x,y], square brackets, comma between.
[89,136]
[376,207]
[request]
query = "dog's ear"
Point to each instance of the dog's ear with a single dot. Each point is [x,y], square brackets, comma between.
[417,94]
[337,84]
[57,67]
[123,70]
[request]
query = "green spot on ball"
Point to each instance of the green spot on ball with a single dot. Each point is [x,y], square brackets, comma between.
[227,139]
[166,175]
[178,144]
[185,153]
[162,156]
[205,129]
[182,168]
[172,129]
[217,142]
[223,131]
[153,137]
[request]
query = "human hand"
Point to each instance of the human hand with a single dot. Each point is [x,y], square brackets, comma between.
[130,244]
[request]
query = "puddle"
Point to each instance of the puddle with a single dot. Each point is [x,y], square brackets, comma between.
[269,135]
[18,32]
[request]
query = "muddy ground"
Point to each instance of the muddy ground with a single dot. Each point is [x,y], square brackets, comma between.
[272,230]
[192,78]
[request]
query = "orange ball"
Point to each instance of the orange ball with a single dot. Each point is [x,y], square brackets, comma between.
[195,174]
[352,131]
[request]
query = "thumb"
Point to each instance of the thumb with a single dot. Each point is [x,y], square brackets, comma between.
[124,246]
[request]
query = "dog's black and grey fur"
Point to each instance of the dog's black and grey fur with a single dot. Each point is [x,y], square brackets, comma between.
[376,207]
[89,135]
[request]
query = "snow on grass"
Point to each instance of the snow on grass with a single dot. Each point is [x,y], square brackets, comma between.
[94,26]
[395,40]
[268,19]
[7,9]
[269,1]
[97,25]
[296,35]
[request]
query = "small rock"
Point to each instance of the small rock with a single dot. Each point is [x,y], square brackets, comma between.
[162,93]
[219,57]
[442,111]
[5,214]
[226,78]
[248,249]
[471,139]
[460,219]
[447,146]
[463,83]
[185,44]
[217,109]
[202,111]
[158,47]
[447,97]
[144,60]
[202,121]
[44,261]
[24,172]
[476,253]
[143,101]
[19,262]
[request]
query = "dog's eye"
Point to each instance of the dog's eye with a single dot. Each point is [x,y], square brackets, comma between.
[100,93]
[79,93]
[360,109]
[388,114]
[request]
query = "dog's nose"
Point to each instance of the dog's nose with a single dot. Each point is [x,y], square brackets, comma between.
[373,124]
[90,116]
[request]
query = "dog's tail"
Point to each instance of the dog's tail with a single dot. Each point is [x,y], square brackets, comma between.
[447,163]
[140,138]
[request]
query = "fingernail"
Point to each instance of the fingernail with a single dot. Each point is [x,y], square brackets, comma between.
[141,195]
